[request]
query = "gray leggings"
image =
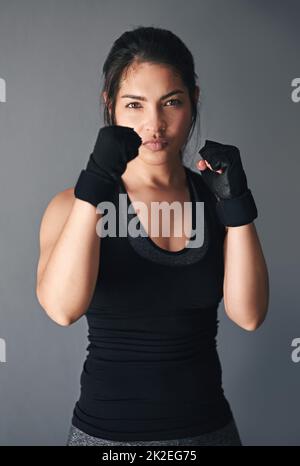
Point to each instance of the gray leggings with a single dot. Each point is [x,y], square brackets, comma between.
[227,435]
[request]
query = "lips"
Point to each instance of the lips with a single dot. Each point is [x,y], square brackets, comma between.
[161,140]
[156,146]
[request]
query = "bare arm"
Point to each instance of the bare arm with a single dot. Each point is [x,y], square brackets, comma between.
[69,257]
[246,281]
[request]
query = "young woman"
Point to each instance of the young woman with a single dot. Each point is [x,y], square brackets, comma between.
[152,375]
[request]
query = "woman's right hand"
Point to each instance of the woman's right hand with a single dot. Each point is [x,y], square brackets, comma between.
[115,146]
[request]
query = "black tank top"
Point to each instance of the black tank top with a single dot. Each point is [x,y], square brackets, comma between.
[152,371]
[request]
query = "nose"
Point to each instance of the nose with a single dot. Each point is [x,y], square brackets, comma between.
[154,122]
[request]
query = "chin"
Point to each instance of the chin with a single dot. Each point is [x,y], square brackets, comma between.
[155,159]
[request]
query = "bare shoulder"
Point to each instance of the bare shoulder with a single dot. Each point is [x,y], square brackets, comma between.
[59,207]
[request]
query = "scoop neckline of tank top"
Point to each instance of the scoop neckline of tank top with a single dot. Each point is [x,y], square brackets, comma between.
[147,238]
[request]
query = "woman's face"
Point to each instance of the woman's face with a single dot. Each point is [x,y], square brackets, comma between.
[150,113]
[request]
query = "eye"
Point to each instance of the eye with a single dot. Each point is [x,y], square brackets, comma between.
[131,103]
[172,100]
[176,100]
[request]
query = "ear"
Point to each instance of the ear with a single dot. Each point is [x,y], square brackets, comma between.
[104,95]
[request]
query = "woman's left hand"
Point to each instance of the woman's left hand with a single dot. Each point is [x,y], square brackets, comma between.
[223,173]
[226,177]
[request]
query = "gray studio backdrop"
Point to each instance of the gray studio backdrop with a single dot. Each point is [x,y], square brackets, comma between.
[51,56]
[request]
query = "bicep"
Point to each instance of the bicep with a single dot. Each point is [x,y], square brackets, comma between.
[52,223]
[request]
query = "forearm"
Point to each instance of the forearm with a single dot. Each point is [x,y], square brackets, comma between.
[69,277]
[246,282]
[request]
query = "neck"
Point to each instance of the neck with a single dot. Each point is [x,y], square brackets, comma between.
[167,175]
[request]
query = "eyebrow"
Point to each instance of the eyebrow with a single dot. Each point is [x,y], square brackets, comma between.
[139,97]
